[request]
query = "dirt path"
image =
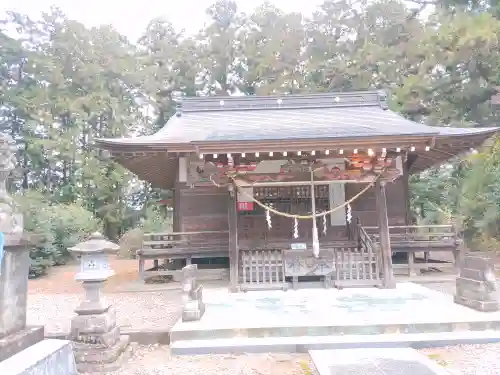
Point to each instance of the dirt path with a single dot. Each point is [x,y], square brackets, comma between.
[61,280]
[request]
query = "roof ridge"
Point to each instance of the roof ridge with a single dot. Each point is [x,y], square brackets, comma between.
[296,101]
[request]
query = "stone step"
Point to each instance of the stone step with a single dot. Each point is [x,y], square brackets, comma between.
[301,344]
[207,332]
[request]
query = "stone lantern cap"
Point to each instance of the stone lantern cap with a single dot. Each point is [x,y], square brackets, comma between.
[97,243]
[94,265]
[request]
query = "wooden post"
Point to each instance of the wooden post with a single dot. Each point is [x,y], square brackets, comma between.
[408,218]
[385,241]
[233,241]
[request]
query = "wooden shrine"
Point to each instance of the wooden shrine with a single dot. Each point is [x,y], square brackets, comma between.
[284,189]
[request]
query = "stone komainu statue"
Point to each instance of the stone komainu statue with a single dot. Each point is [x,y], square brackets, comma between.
[476,284]
[193,305]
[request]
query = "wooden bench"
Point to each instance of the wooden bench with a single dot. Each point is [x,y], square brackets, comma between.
[176,248]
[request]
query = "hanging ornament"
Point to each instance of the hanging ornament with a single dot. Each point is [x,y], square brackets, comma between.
[268,219]
[296,228]
[324,225]
[349,213]
[315,243]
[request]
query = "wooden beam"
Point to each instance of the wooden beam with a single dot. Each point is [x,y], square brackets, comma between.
[233,242]
[388,280]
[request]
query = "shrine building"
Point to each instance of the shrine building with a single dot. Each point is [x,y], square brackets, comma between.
[276,190]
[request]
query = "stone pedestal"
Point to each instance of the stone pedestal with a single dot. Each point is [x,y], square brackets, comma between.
[476,284]
[14,335]
[193,306]
[98,345]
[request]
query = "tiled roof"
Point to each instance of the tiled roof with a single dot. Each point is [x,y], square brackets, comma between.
[273,124]
[315,116]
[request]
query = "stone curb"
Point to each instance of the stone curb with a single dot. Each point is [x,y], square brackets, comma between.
[304,344]
[139,336]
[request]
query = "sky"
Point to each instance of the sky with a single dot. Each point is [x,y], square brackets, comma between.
[131,17]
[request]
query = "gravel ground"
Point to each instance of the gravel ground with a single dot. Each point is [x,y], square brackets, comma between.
[467,359]
[149,360]
[464,359]
[162,309]
[134,310]
[444,287]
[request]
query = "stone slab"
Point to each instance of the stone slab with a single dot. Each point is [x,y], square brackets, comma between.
[392,361]
[48,357]
[19,341]
[410,308]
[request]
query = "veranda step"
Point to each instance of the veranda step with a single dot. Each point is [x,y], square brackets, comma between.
[302,344]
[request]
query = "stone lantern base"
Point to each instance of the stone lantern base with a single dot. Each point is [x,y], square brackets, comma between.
[97,343]
[100,359]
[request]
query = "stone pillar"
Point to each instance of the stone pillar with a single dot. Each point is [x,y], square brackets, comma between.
[15,336]
[476,284]
[192,299]
[98,345]
[14,267]
[22,348]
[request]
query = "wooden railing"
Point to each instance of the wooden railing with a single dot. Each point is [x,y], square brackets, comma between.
[419,236]
[412,239]
[262,269]
[372,251]
[185,244]
[181,246]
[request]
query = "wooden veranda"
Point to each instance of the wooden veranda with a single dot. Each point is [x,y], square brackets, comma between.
[354,262]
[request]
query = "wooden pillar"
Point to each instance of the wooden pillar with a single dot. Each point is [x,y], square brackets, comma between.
[176,214]
[388,280]
[233,241]
[408,217]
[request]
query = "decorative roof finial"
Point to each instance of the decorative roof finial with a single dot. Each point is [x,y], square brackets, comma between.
[177,98]
[382,99]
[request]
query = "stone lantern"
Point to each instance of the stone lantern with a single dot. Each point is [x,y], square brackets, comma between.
[98,345]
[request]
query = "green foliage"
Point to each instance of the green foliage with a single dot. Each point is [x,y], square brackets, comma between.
[62,85]
[156,220]
[480,195]
[467,193]
[61,225]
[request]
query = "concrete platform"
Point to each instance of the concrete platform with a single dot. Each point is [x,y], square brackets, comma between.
[395,361]
[410,308]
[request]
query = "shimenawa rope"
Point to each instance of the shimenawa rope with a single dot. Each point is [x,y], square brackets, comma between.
[299,217]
